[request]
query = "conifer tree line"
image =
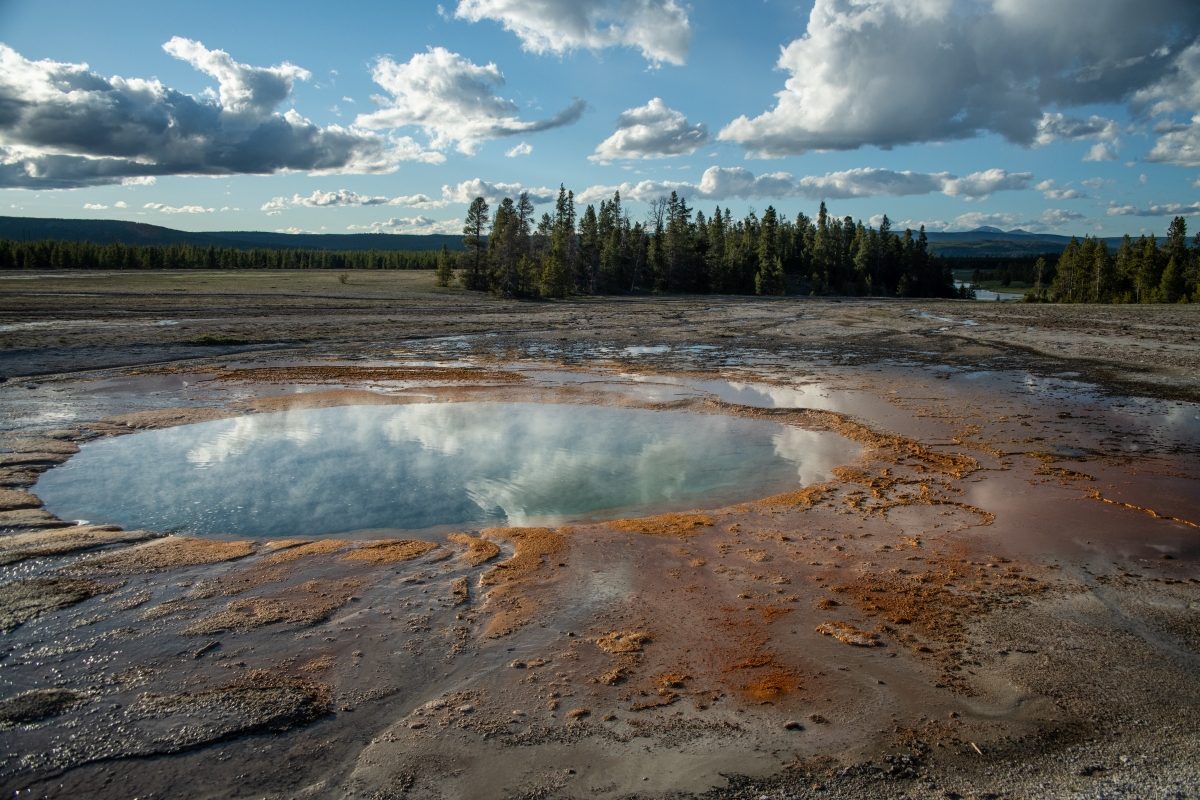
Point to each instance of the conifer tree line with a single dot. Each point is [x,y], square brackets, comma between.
[605,251]
[1139,271]
[54,254]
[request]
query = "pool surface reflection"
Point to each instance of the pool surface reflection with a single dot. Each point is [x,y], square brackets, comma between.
[412,467]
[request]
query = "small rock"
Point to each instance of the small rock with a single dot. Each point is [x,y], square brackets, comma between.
[518,713]
[793,725]
[818,719]
[466,709]
[578,713]
[517,665]
[416,726]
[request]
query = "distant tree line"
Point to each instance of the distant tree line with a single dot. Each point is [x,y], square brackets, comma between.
[1141,271]
[604,251]
[54,254]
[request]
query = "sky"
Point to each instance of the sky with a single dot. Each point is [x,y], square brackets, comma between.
[1070,117]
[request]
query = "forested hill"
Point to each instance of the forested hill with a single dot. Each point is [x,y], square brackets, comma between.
[106,231]
[990,242]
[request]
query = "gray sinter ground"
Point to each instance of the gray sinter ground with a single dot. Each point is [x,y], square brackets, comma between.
[1000,549]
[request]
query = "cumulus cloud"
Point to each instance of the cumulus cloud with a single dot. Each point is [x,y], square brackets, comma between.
[420,224]
[94,206]
[65,126]
[651,131]
[1178,144]
[1166,210]
[1057,217]
[1053,127]
[893,72]
[720,183]
[120,204]
[1052,191]
[493,193]
[453,100]
[658,28]
[179,209]
[909,224]
[523,149]
[342,198]
[1101,151]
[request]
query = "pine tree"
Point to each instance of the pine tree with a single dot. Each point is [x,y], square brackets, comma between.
[504,249]
[445,267]
[1173,284]
[589,251]
[476,224]
[769,279]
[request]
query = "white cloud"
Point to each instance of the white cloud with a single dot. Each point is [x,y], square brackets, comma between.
[94,206]
[1180,145]
[892,72]
[651,131]
[292,230]
[523,149]
[1166,210]
[453,101]
[244,91]
[1100,151]
[1177,88]
[1053,127]
[341,198]
[1097,183]
[178,209]
[120,204]
[1052,191]
[978,185]
[720,183]
[420,224]
[493,193]
[909,224]
[658,28]
[1057,217]
[65,126]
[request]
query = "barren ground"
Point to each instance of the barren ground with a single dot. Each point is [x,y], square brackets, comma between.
[999,598]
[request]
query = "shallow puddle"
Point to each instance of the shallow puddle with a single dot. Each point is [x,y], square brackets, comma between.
[337,470]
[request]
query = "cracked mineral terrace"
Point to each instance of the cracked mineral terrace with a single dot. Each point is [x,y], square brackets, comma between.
[996,595]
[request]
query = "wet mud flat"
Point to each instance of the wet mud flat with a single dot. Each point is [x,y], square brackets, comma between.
[999,597]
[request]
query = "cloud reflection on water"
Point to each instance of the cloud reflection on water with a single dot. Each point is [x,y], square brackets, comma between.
[336,470]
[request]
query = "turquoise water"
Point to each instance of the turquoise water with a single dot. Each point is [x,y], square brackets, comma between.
[339,470]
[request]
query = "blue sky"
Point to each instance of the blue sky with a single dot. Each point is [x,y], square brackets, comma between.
[1066,117]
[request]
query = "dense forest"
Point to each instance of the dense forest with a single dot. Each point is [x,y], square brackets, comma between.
[1139,271]
[605,252]
[54,254]
[679,250]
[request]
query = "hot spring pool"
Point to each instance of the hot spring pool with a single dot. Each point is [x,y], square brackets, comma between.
[412,467]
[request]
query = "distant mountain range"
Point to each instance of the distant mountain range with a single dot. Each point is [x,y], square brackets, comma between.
[103,231]
[994,243]
[980,242]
